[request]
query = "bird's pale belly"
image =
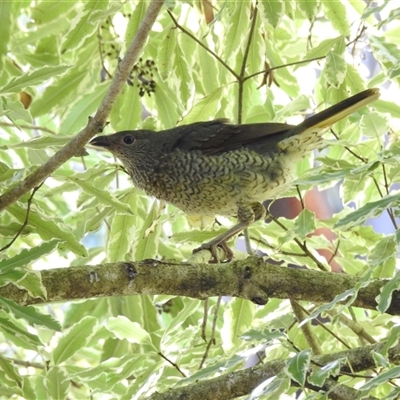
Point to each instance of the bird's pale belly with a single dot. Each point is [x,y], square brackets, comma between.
[216,185]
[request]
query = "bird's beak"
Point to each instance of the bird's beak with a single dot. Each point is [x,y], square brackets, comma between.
[100,141]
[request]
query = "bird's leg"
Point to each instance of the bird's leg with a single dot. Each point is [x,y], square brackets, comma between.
[247,214]
[259,213]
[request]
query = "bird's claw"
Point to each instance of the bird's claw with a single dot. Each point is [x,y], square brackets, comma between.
[213,248]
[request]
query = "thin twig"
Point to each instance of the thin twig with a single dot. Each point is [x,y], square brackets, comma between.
[204,322]
[300,197]
[303,246]
[28,210]
[364,160]
[354,326]
[27,126]
[172,363]
[26,364]
[323,326]
[335,253]
[99,37]
[265,71]
[240,101]
[212,337]
[361,29]
[391,213]
[186,32]
[306,328]
[241,78]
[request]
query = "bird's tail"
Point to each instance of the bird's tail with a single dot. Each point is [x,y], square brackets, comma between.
[331,115]
[308,133]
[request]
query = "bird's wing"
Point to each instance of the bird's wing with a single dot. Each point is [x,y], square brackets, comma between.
[218,136]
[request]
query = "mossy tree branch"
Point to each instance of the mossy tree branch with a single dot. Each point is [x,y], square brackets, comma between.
[243,382]
[251,279]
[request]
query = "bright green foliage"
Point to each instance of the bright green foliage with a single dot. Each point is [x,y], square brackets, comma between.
[62,55]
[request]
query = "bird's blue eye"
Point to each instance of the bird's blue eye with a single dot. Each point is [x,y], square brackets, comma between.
[128,139]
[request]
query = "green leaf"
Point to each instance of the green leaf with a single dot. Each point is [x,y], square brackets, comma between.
[134,21]
[305,224]
[264,335]
[284,76]
[374,126]
[101,16]
[208,67]
[9,371]
[47,229]
[30,314]
[384,250]
[28,390]
[43,142]
[48,11]
[17,112]
[297,367]
[380,360]
[210,371]
[387,107]
[189,309]
[354,80]
[183,75]
[12,275]
[32,282]
[238,318]
[11,328]
[167,105]
[57,383]
[271,11]
[238,13]
[83,26]
[319,377]
[122,233]
[323,48]
[127,112]
[329,306]
[103,196]
[206,108]
[27,256]
[149,235]
[335,69]
[381,379]
[370,210]
[62,89]
[393,16]
[309,7]
[387,51]
[5,28]
[324,177]
[166,54]
[123,328]
[386,292]
[271,388]
[372,9]
[74,339]
[391,339]
[17,84]
[335,11]
[86,105]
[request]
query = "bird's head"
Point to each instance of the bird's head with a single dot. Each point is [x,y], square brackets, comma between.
[133,148]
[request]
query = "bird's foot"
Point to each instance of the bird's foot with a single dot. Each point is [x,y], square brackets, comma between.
[213,248]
